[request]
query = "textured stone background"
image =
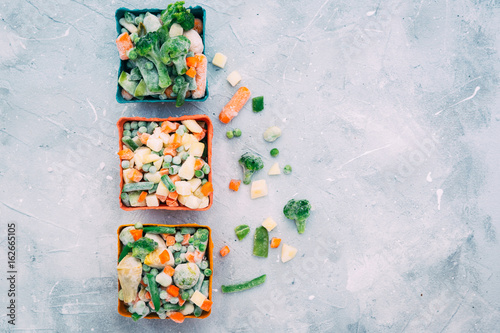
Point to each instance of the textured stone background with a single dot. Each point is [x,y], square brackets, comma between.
[381,105]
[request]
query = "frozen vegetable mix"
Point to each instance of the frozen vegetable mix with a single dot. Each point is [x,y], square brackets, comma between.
[165,163]
[299,211]
[166,272]
[163,54]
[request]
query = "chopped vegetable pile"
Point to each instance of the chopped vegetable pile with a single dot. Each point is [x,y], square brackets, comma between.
[164,55]
[164,270]
[165,163]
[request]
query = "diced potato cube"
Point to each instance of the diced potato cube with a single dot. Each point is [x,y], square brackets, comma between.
[192,125]
[152,200]
[182,199]
[162,189]
[175,30]
[192,202]
[219,60]
[153,177]
[183,188]
[158,163]
[269,224]
[154,143]
[275,170]
[287,252]
[204,202]
[187,169]
[259,189]
[139,156]
[151,22]
[198,298]
[195,183]
[197,193]
[187,140]
[157,131]
[126,178]
[196,149]
[131,162]
[234,78]
[165,138]
[150,158]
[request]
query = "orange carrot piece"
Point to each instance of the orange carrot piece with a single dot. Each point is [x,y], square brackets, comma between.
[169,91]
[224,251]
[275,242]
[145,285]
[163,172]
[173,290]
[207,189]
[172,203]
[162,198]
[169,150]
[198,26]
[176,142]
[164,256]
[170,240]
[124,44]
[191,72]
[143,137]
[168,126]
[190,256]
[174,178]
[173,195]
[198,164]
[169,270]
[142,197]
[201,135]
[136,234]
[181,301]
[185,241]
[136,176]
[234,105]
[191,61]
[206,305]
[126,154]
[177,317]
[126,95]
[198,256]
[234,185]
[201,76]
[147,295]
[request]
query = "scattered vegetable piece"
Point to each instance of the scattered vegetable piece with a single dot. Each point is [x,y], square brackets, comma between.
[299,211]
[153,289]
[269,224]
[219,60]
[242,231]
[244,286]
[250,164]
[272,133]
[274,152]
[258,189]
[275,170]
[169,270]
[137,234]
[287,169]
[234,184]
[234,78]
[173,290]
[229,134]
[177,317]
[201,76]
[258,104]
[224,251]
[287,252]
[234,106]
[261,242]
[164,257]
[275,242]
[237,132]
[124,44]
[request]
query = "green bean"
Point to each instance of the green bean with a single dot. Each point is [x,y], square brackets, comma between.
[168,183]
[153,290]
[142,186]
[242,231]
[130,143]
[153,190]
[125,250]
[261,242]
[159,230]
[125,199]
[187,230]
[244,286]
[204,288]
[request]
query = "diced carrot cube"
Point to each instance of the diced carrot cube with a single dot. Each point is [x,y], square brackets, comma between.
[136,234]
[191,62]
[185,241]
[191,72]
[234,184]
[143,137]
[169,270]
[162,198]
[173,290]
[124,44]
[173,195]
[164,256]
[207,305]
[275,242]
[177,317]
[168,126]
[198,164]
[190,256]
[207,189]
[181,301]
[135,176]
[147,295]
[126,154]
[224,251]
[201,135]
[143,196]
[172,203]
[170,150]
[170,240]
[174,178]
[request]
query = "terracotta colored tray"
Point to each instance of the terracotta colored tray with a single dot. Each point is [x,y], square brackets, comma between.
[122,309]
[209,136]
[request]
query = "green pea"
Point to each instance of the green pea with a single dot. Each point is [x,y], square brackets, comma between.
[143,129]
[274,152]
[146,268]
[207,272]
[206,169]
[202,247]
[237,132]
[199,174]
[167,158]
[134,125]
[287,169]
[177,160]
[229,134]
[142,123]
[145,167]
[126,126]
[127,133]
[152,169]
[138,225]
[125,164]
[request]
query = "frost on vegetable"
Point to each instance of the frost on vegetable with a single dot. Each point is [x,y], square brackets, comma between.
[299,211]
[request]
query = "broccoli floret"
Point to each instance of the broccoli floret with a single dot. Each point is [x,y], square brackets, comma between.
[180,88]
[142,247]
[176,13]
[250,164]
[298,210]
[174,51]
[149,47]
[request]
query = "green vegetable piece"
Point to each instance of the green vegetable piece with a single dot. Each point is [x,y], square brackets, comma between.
[138,226]
[229,134]
[199,282]
[274,152]
[237,132]
[168,183]
[287,169]
[149,46]
[180,88]
[134,125]
[171,307]
[204,288]
[155,272]
[204,265]
[146,268]
[125,250]
[207,272]
[130,143]
[153,190]
[299,211]
[258,104]
[202,247]
[184,295]
[250,164]
[199,174]
[135,74]
[149,74]
[142,90]
[159,230]
[142,186]
[127,83]
[125,199]
[129,17]
[197,311]
[261,242]
[205,168]
[136,316]
[242,231]
[187,230]
[244,286]
[141,29]
[142,247]
[176,13]
[191,81]
[153,290]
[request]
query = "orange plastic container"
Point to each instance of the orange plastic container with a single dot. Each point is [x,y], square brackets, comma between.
[122,309]
[209,136]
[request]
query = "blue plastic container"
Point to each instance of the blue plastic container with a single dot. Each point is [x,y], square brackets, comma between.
[197,11]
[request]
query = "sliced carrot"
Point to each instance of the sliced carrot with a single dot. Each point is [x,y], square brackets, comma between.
[173,195]
[191,61]
[142,282]
[174,178]
[169,270]
[198,164]
[163,172]
[181,301]
[191,72]
[124,44]
[170,150]
[136,234]
[234,106]
[201,76]
[176,142]
[207,188]
[201,135]
[198,26]
[275,242]
[234,185]
[185,241]
[206,305]
[135,176]
[172,203]
[198,256]
[190,256]
[143,137]
[177,317]
[169,91]
[224,251]
[170,240]
[126,154]
[143,196]
[162,198]
[168,126]
[147,295]
[164,256]
[173,290]
[126,95]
